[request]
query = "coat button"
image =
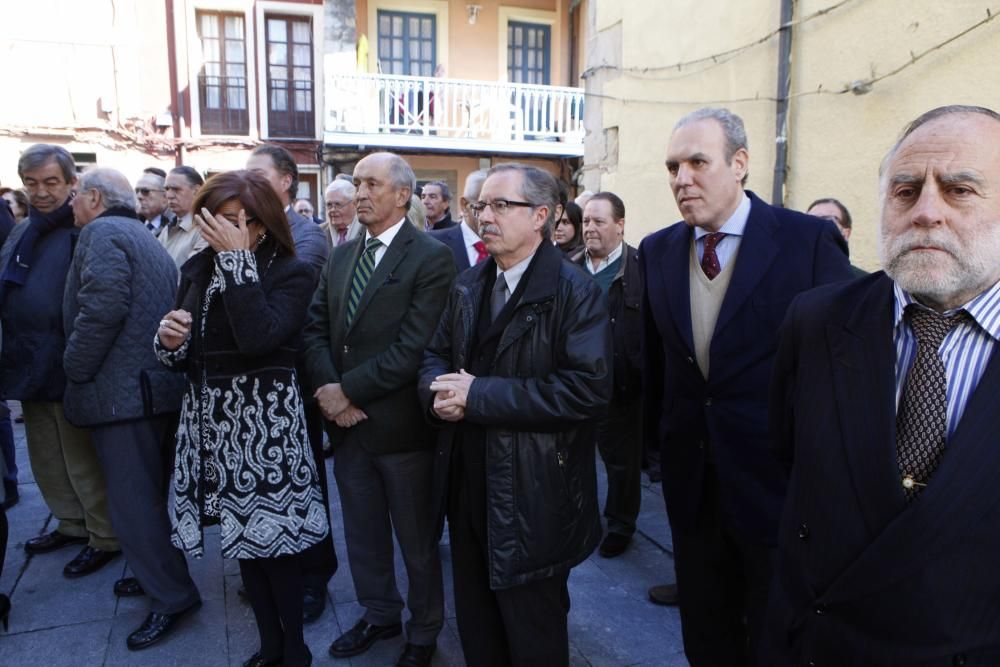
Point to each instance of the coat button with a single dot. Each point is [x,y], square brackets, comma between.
[612,320]
[820,609]
[690,360]
[958,660]
[708,402]
[804,532]
[347,348]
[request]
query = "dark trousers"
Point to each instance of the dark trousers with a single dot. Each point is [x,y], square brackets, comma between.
[274,588]
[382,494]
[3,537]
[7,451]
[319,562]
[620,446]
[723,584]
[132,456]
[523,625]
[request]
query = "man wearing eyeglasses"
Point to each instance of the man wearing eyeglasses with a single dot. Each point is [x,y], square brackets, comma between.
[152,202]
[516,374]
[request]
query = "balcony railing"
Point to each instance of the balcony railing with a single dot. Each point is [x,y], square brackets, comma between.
[451,114]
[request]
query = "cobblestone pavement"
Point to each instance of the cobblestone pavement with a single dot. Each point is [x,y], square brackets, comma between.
[56,621]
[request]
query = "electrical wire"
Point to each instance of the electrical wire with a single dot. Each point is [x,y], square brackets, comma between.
[858,86]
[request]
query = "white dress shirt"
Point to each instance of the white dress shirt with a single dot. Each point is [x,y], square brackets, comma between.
[733,229]
[386,238]
[471,239]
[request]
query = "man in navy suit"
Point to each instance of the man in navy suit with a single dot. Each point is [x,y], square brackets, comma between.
[884,409]
[463,238]
[716,287]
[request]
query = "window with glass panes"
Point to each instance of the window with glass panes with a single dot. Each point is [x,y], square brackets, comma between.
[222,82]
[290,77]
[528,53]
[407,43]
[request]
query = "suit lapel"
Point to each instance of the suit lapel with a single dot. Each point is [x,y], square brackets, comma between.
[675,281]
[393,255]
[864,377]
[341,274]
[962,488]
[757,251]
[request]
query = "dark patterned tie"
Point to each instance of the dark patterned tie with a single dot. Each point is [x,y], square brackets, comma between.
[709,260]
[498,299]
[480,248]
[362,272]
[922,419]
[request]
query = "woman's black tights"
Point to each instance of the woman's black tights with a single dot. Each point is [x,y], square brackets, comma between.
[274,587]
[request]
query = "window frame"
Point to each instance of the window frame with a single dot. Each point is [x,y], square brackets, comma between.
[294,116]
[406,60]
[217,121]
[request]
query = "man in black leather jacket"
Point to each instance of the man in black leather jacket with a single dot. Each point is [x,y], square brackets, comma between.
[517,372]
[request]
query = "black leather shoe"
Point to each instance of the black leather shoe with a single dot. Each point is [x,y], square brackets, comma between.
[88,561]
[416,655]
[313,604]
[665,595]
[43,544]
[358,639]
[156,627]
[257,660]
[614,544]
[129,587]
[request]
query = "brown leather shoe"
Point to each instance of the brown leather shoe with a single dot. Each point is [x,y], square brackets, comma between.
[665,595]
[88,561]
[43,544]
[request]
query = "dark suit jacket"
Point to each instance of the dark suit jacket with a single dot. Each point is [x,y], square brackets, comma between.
[310,242]
[724,418]
[862,579]
[453,238]
[376,359]
[444,223]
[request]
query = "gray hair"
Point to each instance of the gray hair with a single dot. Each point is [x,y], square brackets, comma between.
[538,187]
[116,192]
[400,173]
[932,115]
[39,155]
[474,184]
[345,187]
[732,128]
[445,190]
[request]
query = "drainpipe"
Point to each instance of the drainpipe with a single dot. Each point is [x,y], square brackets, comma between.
[177,107]
[781,115]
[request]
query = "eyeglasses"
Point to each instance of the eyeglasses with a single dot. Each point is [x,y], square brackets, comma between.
[335,206]
[145,191]
[499,206]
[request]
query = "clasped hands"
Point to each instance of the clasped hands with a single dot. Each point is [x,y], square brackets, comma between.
[451,391]
[336,407]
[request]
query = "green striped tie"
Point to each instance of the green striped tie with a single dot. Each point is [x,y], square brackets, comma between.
[362,273]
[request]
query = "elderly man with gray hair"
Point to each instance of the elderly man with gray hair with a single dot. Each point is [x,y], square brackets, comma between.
[341,213]
[33,268]
[119,282]
[516,375]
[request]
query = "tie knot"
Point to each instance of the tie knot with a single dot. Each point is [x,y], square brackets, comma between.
[501,284]
[372,244]
[479,246]
[930,327]
[712,240]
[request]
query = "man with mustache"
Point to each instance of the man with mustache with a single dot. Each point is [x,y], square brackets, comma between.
[715,290]
[885,412]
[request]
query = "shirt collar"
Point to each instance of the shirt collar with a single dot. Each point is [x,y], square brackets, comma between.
[388,235]
[468,235]
[513,274]
[736,223]
[186,222]
[983,308]
[607,261]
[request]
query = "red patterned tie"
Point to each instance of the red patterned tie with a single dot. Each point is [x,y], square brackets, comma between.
[481,249]
[709,260]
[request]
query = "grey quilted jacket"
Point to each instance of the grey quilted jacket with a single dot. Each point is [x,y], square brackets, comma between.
[120,283]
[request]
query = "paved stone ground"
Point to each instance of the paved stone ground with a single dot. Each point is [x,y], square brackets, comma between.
[57,622]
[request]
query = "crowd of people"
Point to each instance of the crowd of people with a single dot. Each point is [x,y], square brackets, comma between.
[182,348]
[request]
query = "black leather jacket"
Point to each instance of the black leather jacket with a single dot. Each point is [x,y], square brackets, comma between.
[549,379]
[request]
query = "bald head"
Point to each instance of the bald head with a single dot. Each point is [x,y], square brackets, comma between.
[99,190]
[385,183]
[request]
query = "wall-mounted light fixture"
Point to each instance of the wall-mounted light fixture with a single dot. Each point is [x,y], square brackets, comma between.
[473,13]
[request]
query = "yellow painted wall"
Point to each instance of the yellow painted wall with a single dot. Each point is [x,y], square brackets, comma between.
[835,140]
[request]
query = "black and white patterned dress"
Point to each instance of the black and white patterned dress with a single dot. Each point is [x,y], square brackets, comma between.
[243,457]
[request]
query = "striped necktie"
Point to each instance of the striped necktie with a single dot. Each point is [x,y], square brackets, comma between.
[362,273]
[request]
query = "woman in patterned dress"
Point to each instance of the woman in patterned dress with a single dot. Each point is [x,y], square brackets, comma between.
[243,458]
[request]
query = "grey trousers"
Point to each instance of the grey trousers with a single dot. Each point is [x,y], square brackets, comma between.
[380,494]
[134,458]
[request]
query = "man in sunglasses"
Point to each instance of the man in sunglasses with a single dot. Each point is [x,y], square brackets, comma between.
[152,202]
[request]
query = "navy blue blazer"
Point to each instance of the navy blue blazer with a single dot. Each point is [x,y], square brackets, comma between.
[724,418]
[452,237]
[861,578]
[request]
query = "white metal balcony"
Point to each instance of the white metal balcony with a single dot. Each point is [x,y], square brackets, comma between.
[387,111]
